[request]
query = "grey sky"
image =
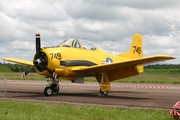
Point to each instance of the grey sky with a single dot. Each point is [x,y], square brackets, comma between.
[110,25]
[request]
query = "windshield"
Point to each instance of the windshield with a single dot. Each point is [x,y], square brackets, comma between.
[77,43]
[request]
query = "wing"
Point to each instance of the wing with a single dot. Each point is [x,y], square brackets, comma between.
[123,64]
[25,62]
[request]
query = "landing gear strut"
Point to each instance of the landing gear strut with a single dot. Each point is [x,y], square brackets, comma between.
[51,87]
[104,84]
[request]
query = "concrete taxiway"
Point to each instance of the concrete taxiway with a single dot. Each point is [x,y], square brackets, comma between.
[122,94]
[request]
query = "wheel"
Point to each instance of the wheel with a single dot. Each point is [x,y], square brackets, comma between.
[105,93]
[48,91]
[55,88]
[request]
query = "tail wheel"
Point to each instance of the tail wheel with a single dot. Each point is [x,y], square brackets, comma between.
[48,91]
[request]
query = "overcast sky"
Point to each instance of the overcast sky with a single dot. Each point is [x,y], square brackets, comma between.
[109,24]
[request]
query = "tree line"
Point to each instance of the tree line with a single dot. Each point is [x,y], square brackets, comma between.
[13,67]
[20,68]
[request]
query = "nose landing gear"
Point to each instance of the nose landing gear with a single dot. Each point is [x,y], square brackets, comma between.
[51,87]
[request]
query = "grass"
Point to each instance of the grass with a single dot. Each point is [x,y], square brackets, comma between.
[157,76]
[17,76]
[152,78]
[163,71]
[18,110]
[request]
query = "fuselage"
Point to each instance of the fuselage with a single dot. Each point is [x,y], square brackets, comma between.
[63,58]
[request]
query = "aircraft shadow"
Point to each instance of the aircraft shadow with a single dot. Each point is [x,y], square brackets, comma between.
[91,94]
[95,95]
[128,92]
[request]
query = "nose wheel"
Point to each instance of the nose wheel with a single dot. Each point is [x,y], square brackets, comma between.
[51,87]
[55,88]
[48,91]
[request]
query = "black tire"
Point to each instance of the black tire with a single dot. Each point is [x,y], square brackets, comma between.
[105,93]
[48,91]
[55,88]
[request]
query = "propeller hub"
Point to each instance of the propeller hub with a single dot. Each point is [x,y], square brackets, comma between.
[37,61]
[41,62]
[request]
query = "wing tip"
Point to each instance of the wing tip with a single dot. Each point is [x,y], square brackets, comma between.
[166,56]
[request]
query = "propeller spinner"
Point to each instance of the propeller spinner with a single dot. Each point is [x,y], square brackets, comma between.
[40,61]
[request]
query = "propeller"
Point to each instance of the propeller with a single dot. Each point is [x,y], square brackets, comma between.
[40,61]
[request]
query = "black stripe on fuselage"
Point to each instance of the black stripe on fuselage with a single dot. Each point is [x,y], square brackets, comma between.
[77,63]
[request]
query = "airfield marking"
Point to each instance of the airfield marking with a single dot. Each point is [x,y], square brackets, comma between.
[94,84]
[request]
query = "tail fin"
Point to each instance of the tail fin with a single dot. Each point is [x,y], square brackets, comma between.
[136,50]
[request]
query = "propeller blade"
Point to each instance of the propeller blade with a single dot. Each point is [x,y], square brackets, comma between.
[27,71]
[53,74]
[38,46]
[37,62]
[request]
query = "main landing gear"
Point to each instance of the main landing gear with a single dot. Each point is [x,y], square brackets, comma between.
[51,87]
[104,84]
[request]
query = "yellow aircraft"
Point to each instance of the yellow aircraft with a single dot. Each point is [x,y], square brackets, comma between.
[74,59]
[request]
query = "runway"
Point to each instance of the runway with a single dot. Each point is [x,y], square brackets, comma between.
[122,94]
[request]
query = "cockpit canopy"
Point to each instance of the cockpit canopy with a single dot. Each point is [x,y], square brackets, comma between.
[77,43]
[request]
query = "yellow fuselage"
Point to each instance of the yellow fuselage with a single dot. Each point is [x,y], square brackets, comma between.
[57,54]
